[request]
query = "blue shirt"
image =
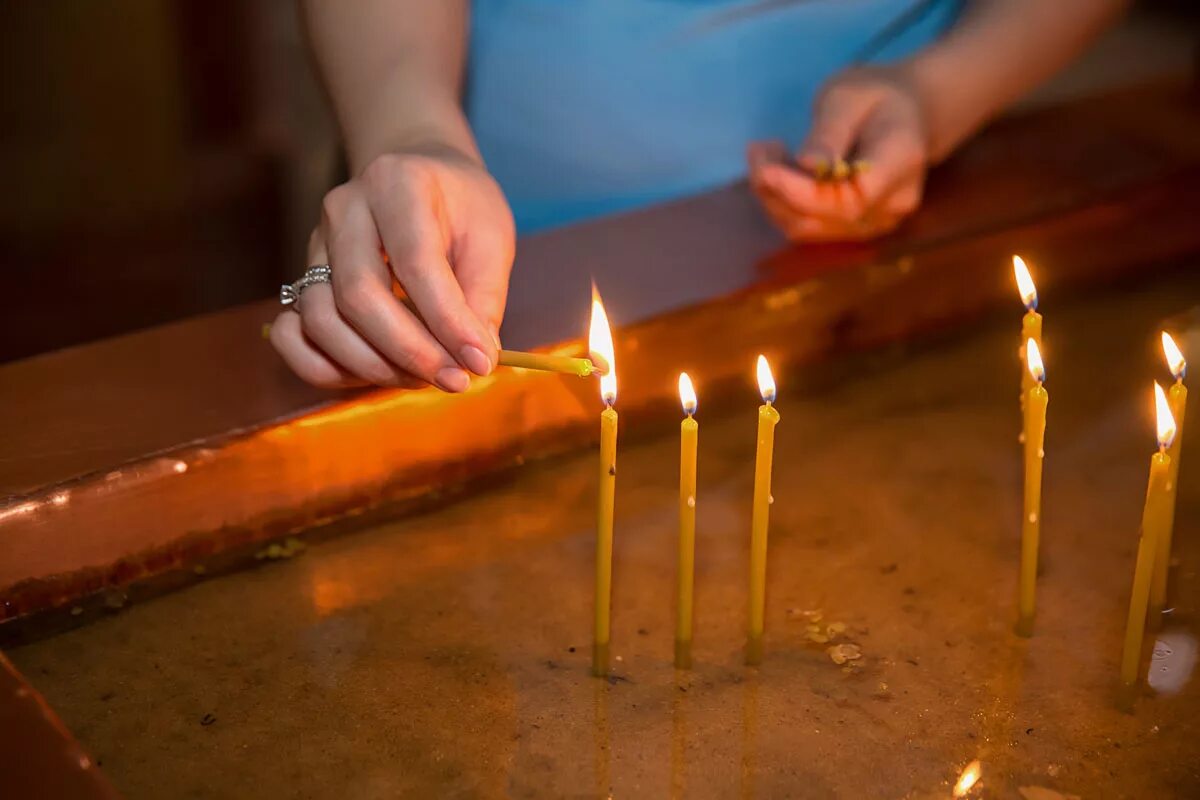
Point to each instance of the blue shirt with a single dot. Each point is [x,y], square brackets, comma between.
[588,107]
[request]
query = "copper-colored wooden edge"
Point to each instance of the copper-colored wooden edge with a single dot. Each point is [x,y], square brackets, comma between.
[38,755]
[151,515]
[177,509]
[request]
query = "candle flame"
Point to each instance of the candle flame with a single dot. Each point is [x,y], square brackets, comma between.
[1025,283]
[600,342]
[1033,361]
[1175,360]
[766,381]
[1166,421]
[687,394]
[970,776]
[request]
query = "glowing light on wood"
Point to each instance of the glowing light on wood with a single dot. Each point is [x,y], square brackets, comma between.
[969,777]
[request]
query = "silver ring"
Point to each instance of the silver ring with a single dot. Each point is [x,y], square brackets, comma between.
[289,294]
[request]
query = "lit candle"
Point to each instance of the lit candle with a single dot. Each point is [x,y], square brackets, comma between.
[1154,520]
[768,418]
[1031,524]
[1031,323]
[1177,400]
[600,341]
[689,431]
[549,362]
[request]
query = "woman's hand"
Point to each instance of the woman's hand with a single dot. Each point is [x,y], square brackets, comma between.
[437,224]
[872,114]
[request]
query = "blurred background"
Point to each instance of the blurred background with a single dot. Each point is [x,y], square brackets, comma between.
[164,158]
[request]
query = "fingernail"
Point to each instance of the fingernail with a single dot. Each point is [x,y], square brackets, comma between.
[453,379]
[474,359]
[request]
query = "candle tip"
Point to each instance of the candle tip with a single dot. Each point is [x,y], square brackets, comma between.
[1165,420]
[1033,360]
[600,345]
[1175,360]
[766,381]
[1025,283]
[687,394]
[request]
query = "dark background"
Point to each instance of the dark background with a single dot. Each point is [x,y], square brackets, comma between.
[163,158]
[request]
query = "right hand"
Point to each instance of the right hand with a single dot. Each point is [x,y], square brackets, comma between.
[439,225]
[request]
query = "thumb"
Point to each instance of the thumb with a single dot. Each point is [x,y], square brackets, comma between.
[838,115]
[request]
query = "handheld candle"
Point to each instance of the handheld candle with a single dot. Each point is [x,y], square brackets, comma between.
[1031,323]
[1031,523]
[768,418]
[1177,400]
[1154,518]
[689,431]
[550,362]
[600,341]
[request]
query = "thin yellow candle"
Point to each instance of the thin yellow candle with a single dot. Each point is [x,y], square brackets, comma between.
[1177,400]
[1154,521]
[689,432]
[1031,523]
[548,362]
[768,418]
[600,341]
[1031,323]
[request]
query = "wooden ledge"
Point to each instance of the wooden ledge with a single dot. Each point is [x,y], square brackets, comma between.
[139,455]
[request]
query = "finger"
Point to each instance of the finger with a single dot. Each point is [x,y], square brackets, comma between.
[838,114]
[416,245]
[809,197]
[759,154]
[483,263]
[362,289]
[484,277]
[305,359]
[897,159]
[325,328]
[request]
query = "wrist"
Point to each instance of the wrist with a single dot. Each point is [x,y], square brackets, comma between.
[952,96]
[444,135]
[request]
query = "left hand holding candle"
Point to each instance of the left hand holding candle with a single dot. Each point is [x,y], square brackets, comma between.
[549,362]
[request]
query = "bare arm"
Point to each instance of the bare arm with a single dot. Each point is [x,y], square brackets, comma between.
[903,117]
[996,53]
[418,194]
[394,69]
